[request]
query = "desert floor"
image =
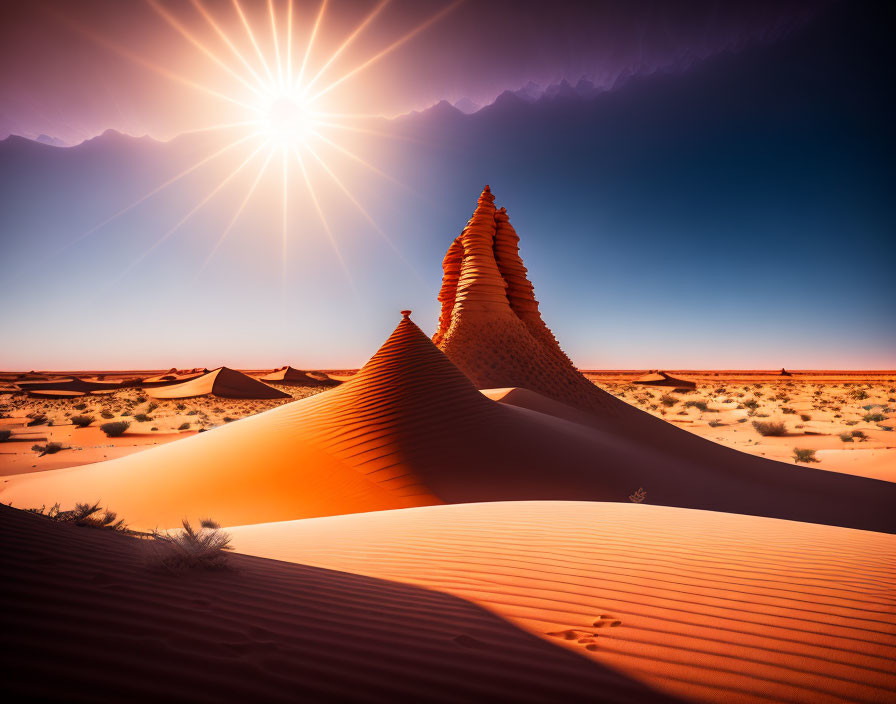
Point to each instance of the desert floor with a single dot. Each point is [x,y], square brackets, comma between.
[846,418]
[38,421]
[540,601]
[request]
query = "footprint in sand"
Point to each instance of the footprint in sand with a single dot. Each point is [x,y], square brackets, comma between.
[606,620]
[587,638]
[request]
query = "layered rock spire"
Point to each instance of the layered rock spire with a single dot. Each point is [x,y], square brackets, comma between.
[490,325]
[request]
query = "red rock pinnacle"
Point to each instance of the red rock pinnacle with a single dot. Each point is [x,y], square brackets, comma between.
[490,325]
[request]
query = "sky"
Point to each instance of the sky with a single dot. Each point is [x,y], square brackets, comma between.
[717,195]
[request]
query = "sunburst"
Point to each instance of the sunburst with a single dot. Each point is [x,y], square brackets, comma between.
[278,91]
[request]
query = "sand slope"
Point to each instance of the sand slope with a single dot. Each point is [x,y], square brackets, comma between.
[410,430]
[708,606]
[85,619]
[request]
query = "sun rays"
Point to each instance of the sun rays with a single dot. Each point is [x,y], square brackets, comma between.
[276,88]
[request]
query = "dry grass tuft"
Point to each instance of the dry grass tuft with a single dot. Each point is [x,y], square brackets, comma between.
[190,549]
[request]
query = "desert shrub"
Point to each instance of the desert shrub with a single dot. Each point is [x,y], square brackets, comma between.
[801,455]
[181,406]
[846,437]
[858,434]
[858,394]
[805,416]
[51,448]
[183,426]
[5,435]
[668,400]
[700,405]
[82,421]
[116,428]
[714,423]
[153,429]
[774,428]
[140,399]
[228,419]
[850,422]
[37,420]
[151,407]
[82,515]
[874,417]
[193,412]
[741,420]
[789,411]
[185,549]
[126,413]
[751,403]
[107,414]
[142,418]
[80,406]
[89,515]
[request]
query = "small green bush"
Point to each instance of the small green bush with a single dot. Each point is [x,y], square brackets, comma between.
[874,417]
[668,400]
[805,417]
[82,421]
[699,405]
[184,426]
[107,414]
[142,418]
[846,437]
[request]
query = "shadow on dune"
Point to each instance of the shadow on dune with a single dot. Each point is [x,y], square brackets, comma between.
[87,620]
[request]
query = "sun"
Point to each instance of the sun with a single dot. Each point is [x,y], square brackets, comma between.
[286,123]
[277,93]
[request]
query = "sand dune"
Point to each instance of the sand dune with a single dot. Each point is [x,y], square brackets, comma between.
[289,375]
[222,382]
[708,606]
[86,619]
[658,378]
[410,429]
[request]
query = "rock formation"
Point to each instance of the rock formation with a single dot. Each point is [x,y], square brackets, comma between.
[490,325]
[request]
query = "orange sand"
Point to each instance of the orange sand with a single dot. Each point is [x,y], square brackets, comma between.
[87,618]
[708,606]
